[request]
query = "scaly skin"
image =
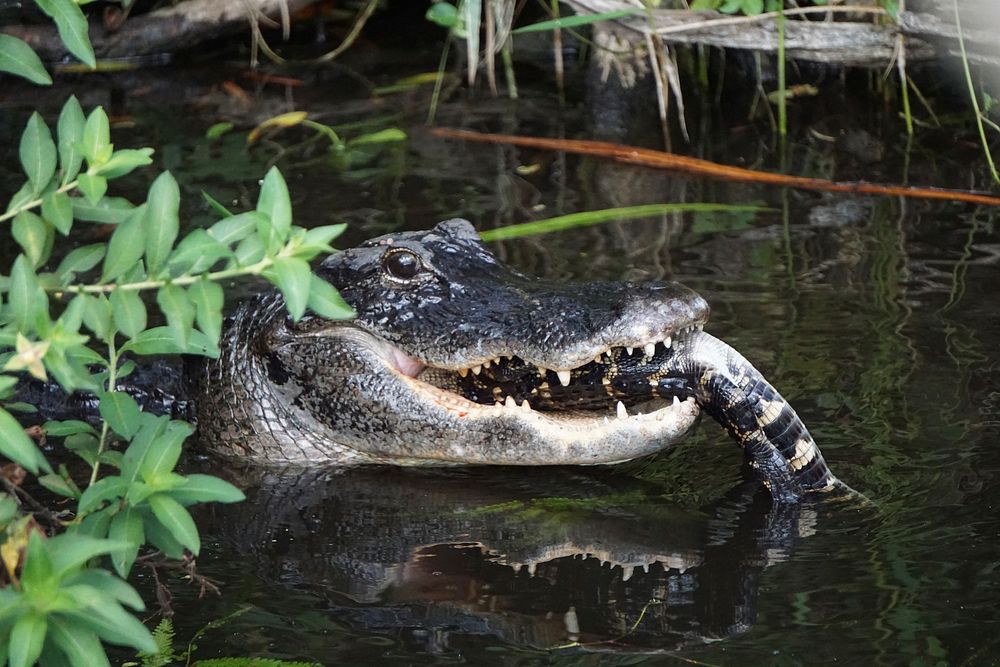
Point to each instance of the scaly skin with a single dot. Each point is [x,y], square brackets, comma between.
[455,359]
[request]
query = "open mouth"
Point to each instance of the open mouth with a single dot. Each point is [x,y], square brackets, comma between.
[622,382]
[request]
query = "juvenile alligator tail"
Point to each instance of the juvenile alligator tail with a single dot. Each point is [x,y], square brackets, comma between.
[732,391]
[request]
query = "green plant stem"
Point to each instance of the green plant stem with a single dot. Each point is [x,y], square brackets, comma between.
[112,383]
[34,203]
[252,270]
[782,98]
[972,94]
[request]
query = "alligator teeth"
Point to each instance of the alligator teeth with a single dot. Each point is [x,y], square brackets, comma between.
[564,377]
[650,349]
[486,364]
[542,371]
[597,359]
[510,402]
[525,407]
[677,402]
[627,571]
[496,360]
[476,370]
[463,371]
[628,350]
[666,342]
[622,412]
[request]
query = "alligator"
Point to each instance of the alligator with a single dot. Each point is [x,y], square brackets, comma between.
[454,358]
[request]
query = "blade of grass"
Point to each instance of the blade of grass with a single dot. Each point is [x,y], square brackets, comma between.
[588,218]
[972,94]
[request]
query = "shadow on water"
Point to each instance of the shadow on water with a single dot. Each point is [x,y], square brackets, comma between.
[533,558]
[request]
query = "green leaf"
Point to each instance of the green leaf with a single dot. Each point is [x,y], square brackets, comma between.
[59,485]
[109,584]
[72,552]
[196,253]
[37,153]
[18,447]
[129,311]
[321,236]
[80,645]
[93,187]
[235,227]
[19,59]
[218,130]
[80,260]
[38,570]
[325,301]
[70,131]
[60,429]
[127,244]
[26,639]
[57,209]
[206,489]
[121,412]
[176,306]
[386,136]
[22,292]
[34,235]
[294,278]
[161,221]
[250,250]
[176,520]
[96,140]
[107,488]
[207,298]
[443,14]
[110,210]
[72,25]
[275,203]
[126,527]
[164,453]
[115,626]
[97,315]
[124,161]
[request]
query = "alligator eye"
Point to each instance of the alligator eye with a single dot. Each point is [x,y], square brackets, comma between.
[401,264]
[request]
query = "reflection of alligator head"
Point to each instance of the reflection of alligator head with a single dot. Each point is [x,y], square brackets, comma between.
[454,358]
[535,557]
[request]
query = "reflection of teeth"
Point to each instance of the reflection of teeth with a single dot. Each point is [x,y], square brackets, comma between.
[622,412]
[476,370]
[564,377]
[650,349]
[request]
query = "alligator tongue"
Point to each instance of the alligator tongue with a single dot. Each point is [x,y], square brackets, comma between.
[406,364]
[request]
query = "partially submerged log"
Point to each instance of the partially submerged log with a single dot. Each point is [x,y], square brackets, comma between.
[167,30]
[861,40]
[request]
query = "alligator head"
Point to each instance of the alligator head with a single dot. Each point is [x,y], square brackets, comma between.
[404,382]
[455,358]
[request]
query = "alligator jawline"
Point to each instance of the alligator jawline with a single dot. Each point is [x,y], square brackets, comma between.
[649,411]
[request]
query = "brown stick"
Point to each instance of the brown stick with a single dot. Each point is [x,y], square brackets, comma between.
[648,157]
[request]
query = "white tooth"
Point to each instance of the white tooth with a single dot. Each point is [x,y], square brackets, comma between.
[650,349]
[677,402]
[622,412]
[610,356]
[645,567]
[510,402]
[628,350]
[564,377]
[526,407]
[666,343]
[597,359]
[542,371]
[627,571]
[463,371]
[606,420]
[496,360]
[476,370]
[486,364]
[531,569]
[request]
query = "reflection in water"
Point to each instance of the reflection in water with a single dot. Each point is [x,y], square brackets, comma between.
[536,558]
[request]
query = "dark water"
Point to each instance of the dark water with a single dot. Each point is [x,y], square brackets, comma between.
[877,318]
